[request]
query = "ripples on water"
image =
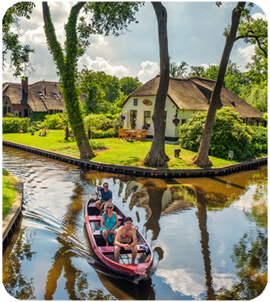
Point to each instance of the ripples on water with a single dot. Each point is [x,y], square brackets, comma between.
[205,233]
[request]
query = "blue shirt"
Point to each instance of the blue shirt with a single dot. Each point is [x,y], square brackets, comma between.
[105,195]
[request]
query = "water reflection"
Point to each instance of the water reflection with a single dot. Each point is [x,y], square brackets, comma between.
[16,284]
[209,235]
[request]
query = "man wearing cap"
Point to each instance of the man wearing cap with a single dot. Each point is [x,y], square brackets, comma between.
[105,196]
[126,239]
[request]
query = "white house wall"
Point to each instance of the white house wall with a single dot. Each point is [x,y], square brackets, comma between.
[171,130]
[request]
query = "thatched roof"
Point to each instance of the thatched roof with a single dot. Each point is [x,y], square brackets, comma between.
[194,93]
[42,96]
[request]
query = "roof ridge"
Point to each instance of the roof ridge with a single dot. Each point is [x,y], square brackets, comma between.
[53,82]
[191,78]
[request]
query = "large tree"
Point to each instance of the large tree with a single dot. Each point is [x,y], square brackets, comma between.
[201,157]
[106,17]
[156,156]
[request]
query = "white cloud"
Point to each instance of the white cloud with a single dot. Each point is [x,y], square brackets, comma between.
[187,283]
[100,64]
[34,37]
[246,52]
[223,280]
[259,16]
[149,70]
[98,41]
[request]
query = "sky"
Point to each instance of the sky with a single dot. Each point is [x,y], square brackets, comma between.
[195,35]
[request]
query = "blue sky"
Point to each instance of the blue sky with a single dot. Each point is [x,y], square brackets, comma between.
[195,35]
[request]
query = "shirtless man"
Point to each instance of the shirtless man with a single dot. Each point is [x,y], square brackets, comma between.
[126,238]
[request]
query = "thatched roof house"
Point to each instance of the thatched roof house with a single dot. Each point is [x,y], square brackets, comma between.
[35,100]
[184,98]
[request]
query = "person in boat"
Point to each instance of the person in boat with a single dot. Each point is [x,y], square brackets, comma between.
[126,239]
[105,196]
[109,223]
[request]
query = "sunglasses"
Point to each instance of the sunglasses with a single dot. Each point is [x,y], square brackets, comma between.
[105,186]
[109,207]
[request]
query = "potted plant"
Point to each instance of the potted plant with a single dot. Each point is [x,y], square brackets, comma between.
[176,121]
[123,117]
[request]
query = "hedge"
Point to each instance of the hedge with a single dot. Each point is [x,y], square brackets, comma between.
[104,134]
[15,125]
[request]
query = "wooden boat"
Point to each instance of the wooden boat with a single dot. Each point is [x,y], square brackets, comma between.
[144,260]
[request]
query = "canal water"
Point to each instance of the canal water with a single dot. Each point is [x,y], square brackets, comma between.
[209,236]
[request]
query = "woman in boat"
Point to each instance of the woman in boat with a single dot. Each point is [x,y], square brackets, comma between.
[109,223]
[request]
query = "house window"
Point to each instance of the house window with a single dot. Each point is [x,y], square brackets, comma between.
[17,113]
[40,93]
[183,121]
[6,109]
[147,119]
[133,118]
[55,94]
[6,100]
[135,102]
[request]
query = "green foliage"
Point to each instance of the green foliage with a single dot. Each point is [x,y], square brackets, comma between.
[178,71]
[259,139]
[129,84]
[256,96]
[229,133]
[104,92]
[37,116]
[15,125]
[19,54]
[9,192]
[104,134]
[53,121]
[103,125]
[97,144]
[98,122]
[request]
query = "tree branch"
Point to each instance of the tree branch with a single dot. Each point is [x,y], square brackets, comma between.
[256,37]
[71,34]
[52,41]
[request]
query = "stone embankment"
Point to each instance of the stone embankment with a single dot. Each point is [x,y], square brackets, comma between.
[144,172]
[10,221]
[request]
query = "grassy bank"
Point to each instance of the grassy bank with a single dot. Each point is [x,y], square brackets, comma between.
[9,192]
[116,152]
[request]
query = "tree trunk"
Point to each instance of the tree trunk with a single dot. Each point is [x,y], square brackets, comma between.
[156,156]
[202,159]
[66,133]
[67,69]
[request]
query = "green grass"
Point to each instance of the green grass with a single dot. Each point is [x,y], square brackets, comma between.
[117,151]
[9,192]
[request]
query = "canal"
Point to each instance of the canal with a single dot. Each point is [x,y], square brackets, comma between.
[209,236]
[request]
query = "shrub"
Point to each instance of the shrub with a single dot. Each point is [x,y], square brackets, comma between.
[98,122]
[97,144]
[103,134]
[15,125]
[259,139]
[229,133]
[53,121]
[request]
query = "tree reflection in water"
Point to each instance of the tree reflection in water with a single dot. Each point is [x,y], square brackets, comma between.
[250,254]
[14,281]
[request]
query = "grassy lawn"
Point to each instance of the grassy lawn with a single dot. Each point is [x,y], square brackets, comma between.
[9,192]
[117,151]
